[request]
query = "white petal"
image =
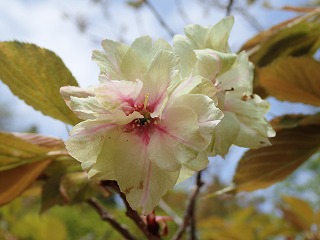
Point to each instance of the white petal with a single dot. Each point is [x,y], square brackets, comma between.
[68,91]
[118,94]
[142,182]
[208,115]
[86,143]
[254,128]
[158,81]
[188,169]
[240,76]
[213,37]
[224,135]
[137,59]
[110,60]
[82,102]
[87,108]
[212,63]
[167,151]
[184,47]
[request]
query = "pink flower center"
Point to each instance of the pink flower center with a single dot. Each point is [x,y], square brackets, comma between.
[141,126]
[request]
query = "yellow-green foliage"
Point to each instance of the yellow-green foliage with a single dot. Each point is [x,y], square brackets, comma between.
[40,227]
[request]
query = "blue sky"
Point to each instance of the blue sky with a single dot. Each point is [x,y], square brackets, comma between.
[51,24]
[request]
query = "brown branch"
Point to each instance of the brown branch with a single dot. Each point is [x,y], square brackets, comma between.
[241,10]
[132,214]
[189,216]
[159,18]
[229,6]
[106,216]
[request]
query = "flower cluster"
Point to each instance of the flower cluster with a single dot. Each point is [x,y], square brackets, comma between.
[160,111]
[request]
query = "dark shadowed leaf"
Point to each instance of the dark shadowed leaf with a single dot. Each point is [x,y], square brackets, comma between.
[260,168]
[75,187]
[24,157]
[35,75]
[295,120]
[293,79]
[14,181]
[50,195]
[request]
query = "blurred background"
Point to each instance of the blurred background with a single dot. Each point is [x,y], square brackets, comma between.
[73,29]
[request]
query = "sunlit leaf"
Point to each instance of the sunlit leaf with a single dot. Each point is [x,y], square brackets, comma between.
[45,142]
[295,37]
[247,221]
[14,181]
[290,38]
[35,75]
[15,151]
[40,227]
[293,79]
[260,168]
[299,9]
[298,213]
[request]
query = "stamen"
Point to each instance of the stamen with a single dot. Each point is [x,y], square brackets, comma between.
[146,99]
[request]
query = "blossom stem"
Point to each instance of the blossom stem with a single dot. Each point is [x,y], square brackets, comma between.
[106,216]
[189,216]
[132,214]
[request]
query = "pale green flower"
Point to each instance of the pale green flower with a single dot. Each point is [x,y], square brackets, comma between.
[204,51]
[142,124]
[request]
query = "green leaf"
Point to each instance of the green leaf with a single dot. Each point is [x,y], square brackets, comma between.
[260,168]
[38,227]
[35,75]
[293,79]
[14,181]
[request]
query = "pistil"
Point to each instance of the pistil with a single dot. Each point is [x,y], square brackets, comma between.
[146,99]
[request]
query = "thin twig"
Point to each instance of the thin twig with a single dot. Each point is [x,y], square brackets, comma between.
[250,19]
[229,6]
[159,18]
[132,214]
[181,12]
[189,216]
[241,10]
[106,216]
